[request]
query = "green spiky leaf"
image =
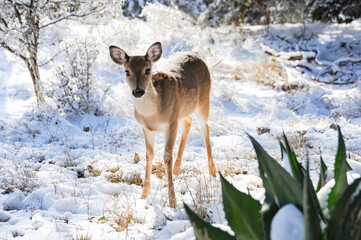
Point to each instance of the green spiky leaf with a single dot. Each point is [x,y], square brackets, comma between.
[340,209]
[276,180]
[268,211]
[311,218]
[242,212]
[323,175]
[204,230]
[296,167]
[350,228]
[340,172]
[298,173]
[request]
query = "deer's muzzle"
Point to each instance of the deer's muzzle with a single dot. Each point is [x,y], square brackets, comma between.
[138,93]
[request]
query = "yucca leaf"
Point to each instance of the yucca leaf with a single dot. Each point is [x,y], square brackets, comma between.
[283,148]
[268,211]
[340,209]
[242,212]
[285,159]
[313,195]
[311,219]
[296,167]
[204,230]
[276,180]
[323,175]
[351,224]
[340,172]
[298,173]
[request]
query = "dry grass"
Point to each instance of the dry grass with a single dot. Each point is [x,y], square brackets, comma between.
[232,171]
[94,172]
[17,175]
[118,177]
[113,170]
[205,195]
[299,142]
[122,214]
[263,130]
[351,107]
[136,158]
[159,170]
[124,218]
[82,237]
[192,170]
[267,73]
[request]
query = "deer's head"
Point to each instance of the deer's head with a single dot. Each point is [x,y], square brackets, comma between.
[138,69]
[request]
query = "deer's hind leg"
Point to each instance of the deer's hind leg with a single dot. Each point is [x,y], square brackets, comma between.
[170,134]
[186,127]
[202,114]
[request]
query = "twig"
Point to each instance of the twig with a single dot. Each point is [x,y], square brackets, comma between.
[352,60]
[271,54]
[216,63]
[303,66]
[18,150]
[332,83]
[4,45]
[72,15]
[294,58]
[194,201]
[284,39]
[289,42]
[53,57]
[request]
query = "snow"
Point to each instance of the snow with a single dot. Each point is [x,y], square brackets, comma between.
[288,224]
[286,162]
[46,156]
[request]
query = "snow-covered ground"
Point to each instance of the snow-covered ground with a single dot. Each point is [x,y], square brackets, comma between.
[68,177]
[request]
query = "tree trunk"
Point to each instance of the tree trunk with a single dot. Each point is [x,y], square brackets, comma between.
[235,15]
[32,37]
[35,77]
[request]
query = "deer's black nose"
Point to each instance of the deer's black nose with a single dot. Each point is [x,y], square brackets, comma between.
[138,93]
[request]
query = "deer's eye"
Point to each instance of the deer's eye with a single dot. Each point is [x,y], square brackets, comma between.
[127,72]
[147,71]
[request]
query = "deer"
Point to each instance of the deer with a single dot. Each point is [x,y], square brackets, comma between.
[165,99]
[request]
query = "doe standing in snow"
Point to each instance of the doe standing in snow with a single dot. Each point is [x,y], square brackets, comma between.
[164,99]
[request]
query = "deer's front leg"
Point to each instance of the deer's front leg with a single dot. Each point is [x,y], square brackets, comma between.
[170,134]
[149,137]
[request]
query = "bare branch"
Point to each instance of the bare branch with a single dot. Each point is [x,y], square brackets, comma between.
[52,58]
[304,66]
[17,14]
[332,83]
[4,45]
[346,60]
[72,15]
[5,23]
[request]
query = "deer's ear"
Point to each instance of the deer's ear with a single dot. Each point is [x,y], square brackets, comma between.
[118,55]
[154,52]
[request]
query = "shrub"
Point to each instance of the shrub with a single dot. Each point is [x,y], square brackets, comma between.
[340,10]
[251,220]
[74,90]
[17,175]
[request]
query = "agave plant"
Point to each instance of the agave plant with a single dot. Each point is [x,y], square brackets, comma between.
[249,219]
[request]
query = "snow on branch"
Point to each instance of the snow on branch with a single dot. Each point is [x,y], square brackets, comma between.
[73,15]
[4,45]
